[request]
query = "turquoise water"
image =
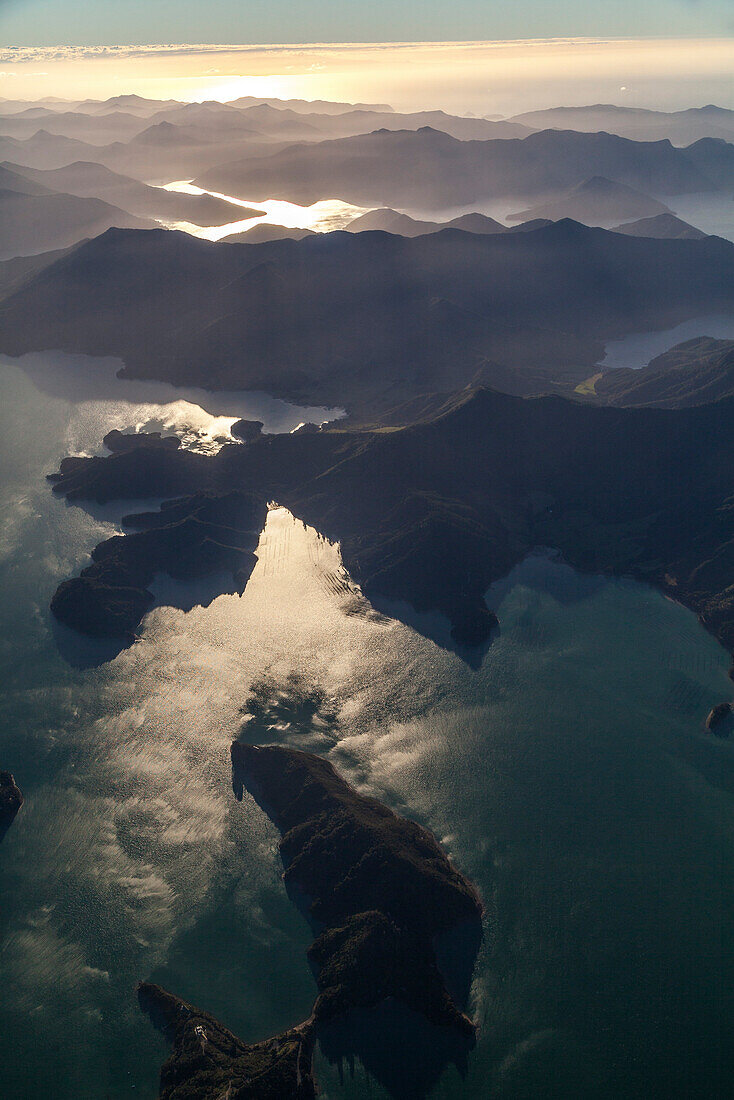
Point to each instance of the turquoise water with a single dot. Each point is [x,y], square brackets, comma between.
[570,777]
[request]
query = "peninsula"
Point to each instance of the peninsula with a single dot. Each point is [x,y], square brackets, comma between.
[380,890]
[434,512]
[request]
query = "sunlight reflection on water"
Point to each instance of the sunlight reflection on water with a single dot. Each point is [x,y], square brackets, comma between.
[569,777]
[321,217]
[101,400]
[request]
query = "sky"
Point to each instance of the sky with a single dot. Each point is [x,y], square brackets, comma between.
[466,56]
[482,78]
[137,22]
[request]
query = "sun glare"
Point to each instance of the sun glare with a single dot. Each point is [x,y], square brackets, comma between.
[234,87]
[479,77]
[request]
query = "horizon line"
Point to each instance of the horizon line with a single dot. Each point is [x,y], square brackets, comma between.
[360,43]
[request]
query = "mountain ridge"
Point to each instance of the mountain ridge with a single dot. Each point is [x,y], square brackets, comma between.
[434,513]
[431,170]
[408,315]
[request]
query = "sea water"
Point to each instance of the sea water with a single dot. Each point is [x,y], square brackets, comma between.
[569,776]
[637,349]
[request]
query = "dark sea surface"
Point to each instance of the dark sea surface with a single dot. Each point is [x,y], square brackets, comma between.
[569,776]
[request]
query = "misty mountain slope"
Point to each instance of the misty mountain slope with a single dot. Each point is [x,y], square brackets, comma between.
[118,120]
[89,180]
[597,201]
[165,153]
[18,270]
[13,178]
[637,123]
[715,159]
[95,129]
[156,154]
[392,221]
[190,137]
[36,223]
[356,122]
[266,231]
[430,169]
[220,122]
[476,223]
[354,318]
[131,103]
[137,104]
[662,226]
[45,150]
[311,106]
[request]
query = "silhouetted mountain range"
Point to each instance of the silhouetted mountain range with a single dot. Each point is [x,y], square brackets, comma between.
[392,221]
[34,219]
[311,106]
[96,129]
[430,169]
[640,124]
[434,513]
[369,317]
[123,118]
[266,231]
[89,180]
[597,201]
[45,150]
[665,227]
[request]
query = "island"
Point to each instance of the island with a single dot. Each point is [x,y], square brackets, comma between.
[246,430]
[380,888]
[11,800]
[719,719]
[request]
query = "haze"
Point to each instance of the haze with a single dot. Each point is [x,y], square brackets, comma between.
[501,77]
[367,550]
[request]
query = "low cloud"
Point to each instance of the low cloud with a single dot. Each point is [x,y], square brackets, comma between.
[29,54]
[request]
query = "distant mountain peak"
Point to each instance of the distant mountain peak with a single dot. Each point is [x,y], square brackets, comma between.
[603,184]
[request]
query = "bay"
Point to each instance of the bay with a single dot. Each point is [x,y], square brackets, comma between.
[570,777]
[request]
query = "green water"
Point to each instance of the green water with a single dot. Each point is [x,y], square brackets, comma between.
[570,777]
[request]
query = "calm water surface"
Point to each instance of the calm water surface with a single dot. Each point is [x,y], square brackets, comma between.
[569,776]
[637,349]
[320,217]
